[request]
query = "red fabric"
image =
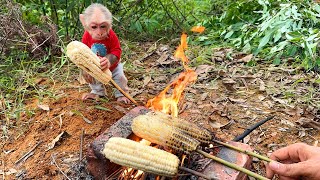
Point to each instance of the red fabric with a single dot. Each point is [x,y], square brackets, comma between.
[111,43]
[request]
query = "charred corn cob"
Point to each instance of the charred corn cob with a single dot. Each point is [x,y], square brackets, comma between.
[84,58]
[133,154]
[187,127]
[156,131]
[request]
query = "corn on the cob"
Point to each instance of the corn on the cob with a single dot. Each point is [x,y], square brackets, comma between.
[133,154]
[84,58]
[187,127]
[158,132]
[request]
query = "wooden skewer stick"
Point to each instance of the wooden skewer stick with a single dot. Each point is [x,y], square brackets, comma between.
[194,172]
[122,91]
[232,165]
[243,151]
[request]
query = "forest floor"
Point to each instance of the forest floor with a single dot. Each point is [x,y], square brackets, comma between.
[227,98]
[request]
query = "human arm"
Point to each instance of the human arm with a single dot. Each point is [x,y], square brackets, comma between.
[295,161]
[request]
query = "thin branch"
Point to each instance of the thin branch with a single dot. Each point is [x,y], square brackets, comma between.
[175,5]
[54,161]
[173,20]
[29,152]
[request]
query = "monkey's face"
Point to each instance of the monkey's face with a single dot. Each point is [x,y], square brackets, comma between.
[98,27]
[98,31]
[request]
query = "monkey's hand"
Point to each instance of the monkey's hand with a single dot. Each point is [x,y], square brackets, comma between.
[104,63]
[87,77]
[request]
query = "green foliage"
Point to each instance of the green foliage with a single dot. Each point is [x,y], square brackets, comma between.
[275,30]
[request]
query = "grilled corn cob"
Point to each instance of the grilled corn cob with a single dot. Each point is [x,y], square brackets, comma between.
[156,131]
[187,127]
[84,58]
[133,154]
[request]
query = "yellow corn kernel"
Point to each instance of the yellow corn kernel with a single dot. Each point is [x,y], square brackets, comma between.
[156,131]
[135,155]
[84,58]
[185,126]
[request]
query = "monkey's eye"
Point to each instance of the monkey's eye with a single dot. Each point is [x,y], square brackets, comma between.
[103,26]
[94,27]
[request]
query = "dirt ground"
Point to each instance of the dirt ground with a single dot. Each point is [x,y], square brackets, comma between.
[223,100]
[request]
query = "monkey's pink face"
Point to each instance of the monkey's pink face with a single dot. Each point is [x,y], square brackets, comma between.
[98,31]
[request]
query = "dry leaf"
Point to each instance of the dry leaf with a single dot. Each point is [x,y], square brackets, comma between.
[81,79]
[309,123]
[204,96]
[237,100]
[9,172]
[228,83]
[44,107]
[59,138]
[262,86]
[164,59]
[281,101]
[218,125]
[287,123]
[246,59]
[146,80]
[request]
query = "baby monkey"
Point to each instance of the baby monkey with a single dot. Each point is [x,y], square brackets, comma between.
[103,41]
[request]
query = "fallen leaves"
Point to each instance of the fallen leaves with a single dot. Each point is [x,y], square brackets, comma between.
[57,140]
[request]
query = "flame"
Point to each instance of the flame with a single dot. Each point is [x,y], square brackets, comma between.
[198,29]
[169,105]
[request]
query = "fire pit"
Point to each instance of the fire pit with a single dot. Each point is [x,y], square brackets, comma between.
[102,168]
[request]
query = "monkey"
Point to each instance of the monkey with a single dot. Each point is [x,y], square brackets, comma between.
[103,41]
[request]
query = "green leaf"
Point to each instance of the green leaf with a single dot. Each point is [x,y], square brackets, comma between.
[276,61]
[102,108]
[265,39]
[229,34]
[138,26]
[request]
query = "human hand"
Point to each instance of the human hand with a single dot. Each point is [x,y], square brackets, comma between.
[104,63]
[296,161]
[87,77]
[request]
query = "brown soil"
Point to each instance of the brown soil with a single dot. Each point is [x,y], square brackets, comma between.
[44,126]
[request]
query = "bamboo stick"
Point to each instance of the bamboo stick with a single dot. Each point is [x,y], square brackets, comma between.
[243,151]
[232,165]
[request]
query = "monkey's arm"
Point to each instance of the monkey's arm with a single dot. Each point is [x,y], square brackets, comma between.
[113,59]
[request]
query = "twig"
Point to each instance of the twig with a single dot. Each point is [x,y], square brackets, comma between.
[250,129]
[54,161]
[243,151]
[81,144]
[41,44]
[194,172]
[232,165]
[26,155]
[173,20]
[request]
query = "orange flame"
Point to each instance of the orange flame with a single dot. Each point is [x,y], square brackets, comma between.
[198,29]
[169,104]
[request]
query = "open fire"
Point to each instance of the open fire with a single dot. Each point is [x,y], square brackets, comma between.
[169,103]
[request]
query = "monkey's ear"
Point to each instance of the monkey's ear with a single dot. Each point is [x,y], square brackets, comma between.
[82,20]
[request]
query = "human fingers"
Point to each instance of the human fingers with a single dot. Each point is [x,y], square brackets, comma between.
[292,153]
[296,170]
